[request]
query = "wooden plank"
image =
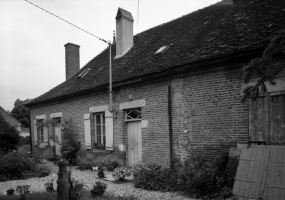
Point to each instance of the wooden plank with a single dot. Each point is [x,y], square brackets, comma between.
[244,186]
[261,120]
[260,183]
[271,173]
[271,120]
[256,167]
[250,122]
[282,120]
[240,167]
[277,177]
[249,185]
[282,191]
[267,111]
[255,120]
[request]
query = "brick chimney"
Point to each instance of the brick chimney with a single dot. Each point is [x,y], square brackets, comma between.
[124,32]
[72,64]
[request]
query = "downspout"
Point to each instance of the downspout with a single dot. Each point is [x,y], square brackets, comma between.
[110,74]
[31,141]
[170,126]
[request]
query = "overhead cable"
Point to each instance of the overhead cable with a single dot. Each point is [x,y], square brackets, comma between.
[66,21]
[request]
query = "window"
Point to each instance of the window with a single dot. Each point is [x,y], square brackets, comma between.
[133,114]
[161,50]
[100,130]
[56,121]
[83,73]
[40,130]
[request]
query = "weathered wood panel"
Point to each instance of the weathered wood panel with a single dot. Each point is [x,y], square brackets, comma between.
[261,173]
[277,122]
[257,119]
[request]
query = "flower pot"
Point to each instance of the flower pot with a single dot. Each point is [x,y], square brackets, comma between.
[96,194]
[10,192]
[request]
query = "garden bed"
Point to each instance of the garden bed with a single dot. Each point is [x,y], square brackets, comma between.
[89,178]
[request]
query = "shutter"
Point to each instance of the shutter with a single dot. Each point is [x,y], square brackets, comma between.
[87,131]
[109,130]
[257,119]
[35,132]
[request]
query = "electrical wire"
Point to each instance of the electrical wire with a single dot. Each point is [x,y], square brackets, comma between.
[66,21]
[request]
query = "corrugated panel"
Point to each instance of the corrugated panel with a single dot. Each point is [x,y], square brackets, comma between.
[261,173]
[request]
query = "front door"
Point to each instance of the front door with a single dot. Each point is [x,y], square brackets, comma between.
[57,132]
[134,143]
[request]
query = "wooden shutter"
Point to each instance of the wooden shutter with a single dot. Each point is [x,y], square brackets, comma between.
[277,120]
[35,132]
[258,119]
[109,130]
[87,131]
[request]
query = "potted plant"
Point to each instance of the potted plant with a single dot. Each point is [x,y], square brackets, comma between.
[101,173]
[98,189]
[120,173]
[10,191]
[23,190]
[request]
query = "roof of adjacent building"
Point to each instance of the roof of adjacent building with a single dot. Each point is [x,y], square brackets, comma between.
[221,30]
[9,118]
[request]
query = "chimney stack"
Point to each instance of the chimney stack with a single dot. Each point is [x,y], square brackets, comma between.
[124,32]
[72,64]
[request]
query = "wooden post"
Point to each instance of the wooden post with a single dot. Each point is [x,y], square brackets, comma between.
[62,181]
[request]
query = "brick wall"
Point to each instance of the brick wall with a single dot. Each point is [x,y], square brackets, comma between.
[208,116]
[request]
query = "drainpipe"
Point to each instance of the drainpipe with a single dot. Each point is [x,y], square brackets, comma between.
[170,125]
[31,141]
[110,87]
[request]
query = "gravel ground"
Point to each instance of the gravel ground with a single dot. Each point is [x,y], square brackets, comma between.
[89,178]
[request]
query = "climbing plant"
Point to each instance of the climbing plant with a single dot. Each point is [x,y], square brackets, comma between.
[264,68]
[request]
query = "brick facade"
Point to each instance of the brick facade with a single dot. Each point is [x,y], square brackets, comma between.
[207,114]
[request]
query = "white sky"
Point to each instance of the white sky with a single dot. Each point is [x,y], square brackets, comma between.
[32,54]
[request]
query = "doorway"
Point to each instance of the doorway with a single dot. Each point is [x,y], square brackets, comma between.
[134,142]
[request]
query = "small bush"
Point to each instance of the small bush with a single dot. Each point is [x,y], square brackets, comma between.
[12,165]
[85,165]
[154,177]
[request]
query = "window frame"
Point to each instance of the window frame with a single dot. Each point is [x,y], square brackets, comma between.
[40,129]
[131,120]
[102,128]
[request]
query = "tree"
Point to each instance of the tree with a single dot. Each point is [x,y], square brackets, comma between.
[9,136]
[263,67]
[21,112]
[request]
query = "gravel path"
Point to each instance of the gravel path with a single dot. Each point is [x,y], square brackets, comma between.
[89,178]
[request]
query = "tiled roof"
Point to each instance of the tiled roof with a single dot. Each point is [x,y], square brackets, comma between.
[216,31]
[9,118]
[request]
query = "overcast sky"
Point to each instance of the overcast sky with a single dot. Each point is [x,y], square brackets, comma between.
[32,57]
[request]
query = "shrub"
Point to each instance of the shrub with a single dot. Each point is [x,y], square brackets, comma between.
[85,165]
[75,189]
[99,186]
[154,177]
[12,165]
[70,147]
[9,136]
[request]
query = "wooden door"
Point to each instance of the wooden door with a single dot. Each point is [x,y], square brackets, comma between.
[261,173]
[134,143]
[251,172]
[275,182]
[57,133]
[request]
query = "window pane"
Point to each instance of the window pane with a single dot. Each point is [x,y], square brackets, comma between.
[98,120]
[103,118]
[134,113]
